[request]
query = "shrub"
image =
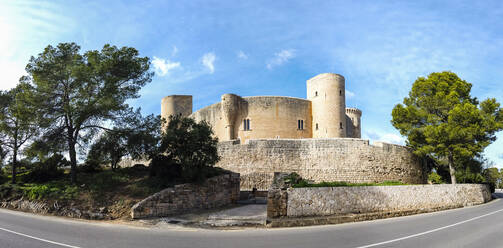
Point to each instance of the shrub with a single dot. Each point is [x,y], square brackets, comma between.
[5,191]
[139,167]
[492,186]
[49,191]
[3,177]
[190,145]
[435,178]
[47,170]
[165,168]
[90,166]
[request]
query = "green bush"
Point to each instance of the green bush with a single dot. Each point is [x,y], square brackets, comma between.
[492,186]
[435,178]
[47,170]
[58,190]
[135,170]
[6,191]
[90,166]
[165,168]
[190,145]
[41,174]
[3,177]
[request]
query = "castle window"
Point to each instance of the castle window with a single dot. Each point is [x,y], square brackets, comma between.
[340,124]
[340,92]
[246,124]
[300,124]
[316,126]
[316,93]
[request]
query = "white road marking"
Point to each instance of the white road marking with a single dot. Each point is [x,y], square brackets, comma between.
[40,239]
[430,231]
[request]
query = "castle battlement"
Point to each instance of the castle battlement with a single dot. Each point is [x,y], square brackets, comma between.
[323,114]
[353,111]
[317,137]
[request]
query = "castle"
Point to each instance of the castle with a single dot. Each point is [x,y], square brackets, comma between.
[322,115]
[317,137]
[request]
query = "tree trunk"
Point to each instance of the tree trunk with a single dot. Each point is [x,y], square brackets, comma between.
[14,157]
[14,166]
[73,160]
[452,171]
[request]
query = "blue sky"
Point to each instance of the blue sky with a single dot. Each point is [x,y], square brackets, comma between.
[207,48]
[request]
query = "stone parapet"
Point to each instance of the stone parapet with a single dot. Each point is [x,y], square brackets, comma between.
[183,198]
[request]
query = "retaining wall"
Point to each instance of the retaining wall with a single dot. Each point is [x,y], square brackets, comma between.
[342,159]
[375,201]
[183,198]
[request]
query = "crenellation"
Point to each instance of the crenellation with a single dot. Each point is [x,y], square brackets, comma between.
[317,137]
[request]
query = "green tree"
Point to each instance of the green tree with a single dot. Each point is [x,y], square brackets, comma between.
[492,175]
[17,123]
[442,120]
[137,138]
[78,94]
[109,148]
[190,145]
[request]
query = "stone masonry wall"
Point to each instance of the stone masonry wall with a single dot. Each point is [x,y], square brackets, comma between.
[215,192]
[357,200]
[345,159]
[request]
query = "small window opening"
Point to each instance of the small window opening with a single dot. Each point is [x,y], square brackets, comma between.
[340,124]
[316,93]
[316,126]
[246,124]
[340,92]
[300,124]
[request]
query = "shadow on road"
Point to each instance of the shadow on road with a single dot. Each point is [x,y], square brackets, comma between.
[498,193]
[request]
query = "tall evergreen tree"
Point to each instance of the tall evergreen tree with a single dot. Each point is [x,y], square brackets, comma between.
[17,123]
[441,119]
[77,94]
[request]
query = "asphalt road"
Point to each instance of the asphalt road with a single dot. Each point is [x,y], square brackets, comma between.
[479,226]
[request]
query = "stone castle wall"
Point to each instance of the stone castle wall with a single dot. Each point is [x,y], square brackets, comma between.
[349,160]
[270,117]
[183,198]
[371,202]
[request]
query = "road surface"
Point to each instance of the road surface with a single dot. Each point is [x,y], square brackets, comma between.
[478,226]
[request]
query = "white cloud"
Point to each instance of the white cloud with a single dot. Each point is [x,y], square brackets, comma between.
[164,66]
[280,58]
[242,55]
[208,61]
[349,94]
[384,137]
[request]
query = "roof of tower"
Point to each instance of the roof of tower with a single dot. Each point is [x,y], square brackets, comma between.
[326,75]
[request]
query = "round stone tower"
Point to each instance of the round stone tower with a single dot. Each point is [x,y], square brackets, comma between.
[174,105]
[229,108]
[355,114]
[327,94]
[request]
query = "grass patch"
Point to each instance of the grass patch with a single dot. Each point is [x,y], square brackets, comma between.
[56,190]
[305,184]
[116,190]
